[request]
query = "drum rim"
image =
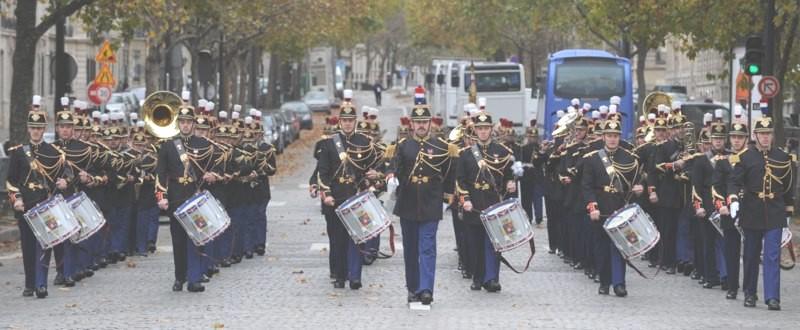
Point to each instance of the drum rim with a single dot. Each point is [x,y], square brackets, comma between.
[353,198]
[499,204]
[617,212]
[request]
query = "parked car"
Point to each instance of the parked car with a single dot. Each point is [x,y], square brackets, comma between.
[317,101]
[293,121]
[302,110]
[284,126]
[272,132]
[120,102]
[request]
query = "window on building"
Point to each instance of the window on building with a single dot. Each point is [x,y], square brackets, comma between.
[91,70]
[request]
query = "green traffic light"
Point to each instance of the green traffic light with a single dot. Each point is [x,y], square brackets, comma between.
[753,69]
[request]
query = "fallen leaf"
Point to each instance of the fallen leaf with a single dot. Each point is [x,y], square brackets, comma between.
[297,271]
[218,325]
[131,264]
[73,305]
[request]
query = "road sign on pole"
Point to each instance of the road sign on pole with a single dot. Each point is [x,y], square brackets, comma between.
[99,94]
[769,87]
[106,54]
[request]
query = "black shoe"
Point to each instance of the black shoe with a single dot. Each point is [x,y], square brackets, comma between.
[121,256]
[88,273]
[214,270]
[578,266]
[78,276]
[724,285]
[426,297]
[696,276]
[597,279]
[475,286]
[671,270]
[41,292]
[338,284]
[28,292]
[195,287]
[412,297]
[355,284]
[551,251]
[465,274]
[731,294]
[236,260]
[368,260]
[688,269]
[69,282]
[102,262]
[773,305]
[260,250]
[592,275]
[587,271]
[603,289]
[652,264]
[680,266]
[204,279]
[620,290]
[492,286]
[177,286]
[560,254]
[702,281]
[151,247]
[248,255]
[750,301]
[225,263]
[94,267]
[710,284]
[59,280]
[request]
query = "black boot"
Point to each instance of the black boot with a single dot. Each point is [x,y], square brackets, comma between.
[195,287]
[177,286]
[28,292]
[750,301]
[59,280]
[603,289]
[41,292]
[620,290]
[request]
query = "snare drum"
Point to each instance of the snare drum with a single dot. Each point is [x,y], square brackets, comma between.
[203,217]
[52,221]
[87,214]
[632,231]
[363,216]
[507,225]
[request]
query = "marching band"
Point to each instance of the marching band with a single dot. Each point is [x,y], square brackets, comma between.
[689,200]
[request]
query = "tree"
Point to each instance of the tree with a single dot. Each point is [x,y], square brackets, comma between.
[723,24]
[28,33]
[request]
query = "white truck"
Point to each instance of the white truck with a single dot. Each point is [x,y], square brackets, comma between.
[501,83]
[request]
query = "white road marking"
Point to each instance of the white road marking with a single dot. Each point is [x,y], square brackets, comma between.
[276,204]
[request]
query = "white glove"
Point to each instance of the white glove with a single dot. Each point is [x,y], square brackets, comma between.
[444,207]
[391,186]
[734,209]
[517,169]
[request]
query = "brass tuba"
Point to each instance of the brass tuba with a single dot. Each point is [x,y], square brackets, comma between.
[160,114]
[652,101]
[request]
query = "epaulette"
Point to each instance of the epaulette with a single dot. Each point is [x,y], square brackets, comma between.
[452,150]
[401,140]
[735,157]
[590,154]
[390,150]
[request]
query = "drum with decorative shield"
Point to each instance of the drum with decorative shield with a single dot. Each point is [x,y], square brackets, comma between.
[632,231]
[88,215]
[52,221]
[507,225]
[363,216]
[203,217]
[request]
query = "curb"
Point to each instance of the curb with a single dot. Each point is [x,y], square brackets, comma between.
[9,234]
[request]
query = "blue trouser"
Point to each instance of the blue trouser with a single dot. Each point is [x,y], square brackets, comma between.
[120,221]
[188,264]
[733,248]
[72,252]
[610,264]
[719,251]
[771,240]
[29,247]
[260,214]
[225,247]
[419,253]
[354,261]
[43,264]
[145,217]
[491,262]
[683,241]
[372,246]
[239,221]
[248,229]
[538,199]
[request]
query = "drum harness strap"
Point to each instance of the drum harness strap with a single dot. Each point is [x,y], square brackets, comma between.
[612,174]
[476,152]
[337,142]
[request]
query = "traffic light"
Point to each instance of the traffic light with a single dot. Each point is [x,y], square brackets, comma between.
[753,56]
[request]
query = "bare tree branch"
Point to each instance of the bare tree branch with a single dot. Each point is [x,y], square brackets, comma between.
[58,13]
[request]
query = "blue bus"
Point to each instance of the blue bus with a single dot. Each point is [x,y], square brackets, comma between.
[592,76]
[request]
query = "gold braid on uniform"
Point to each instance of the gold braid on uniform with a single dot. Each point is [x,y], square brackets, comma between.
[770,166]
[493,165]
